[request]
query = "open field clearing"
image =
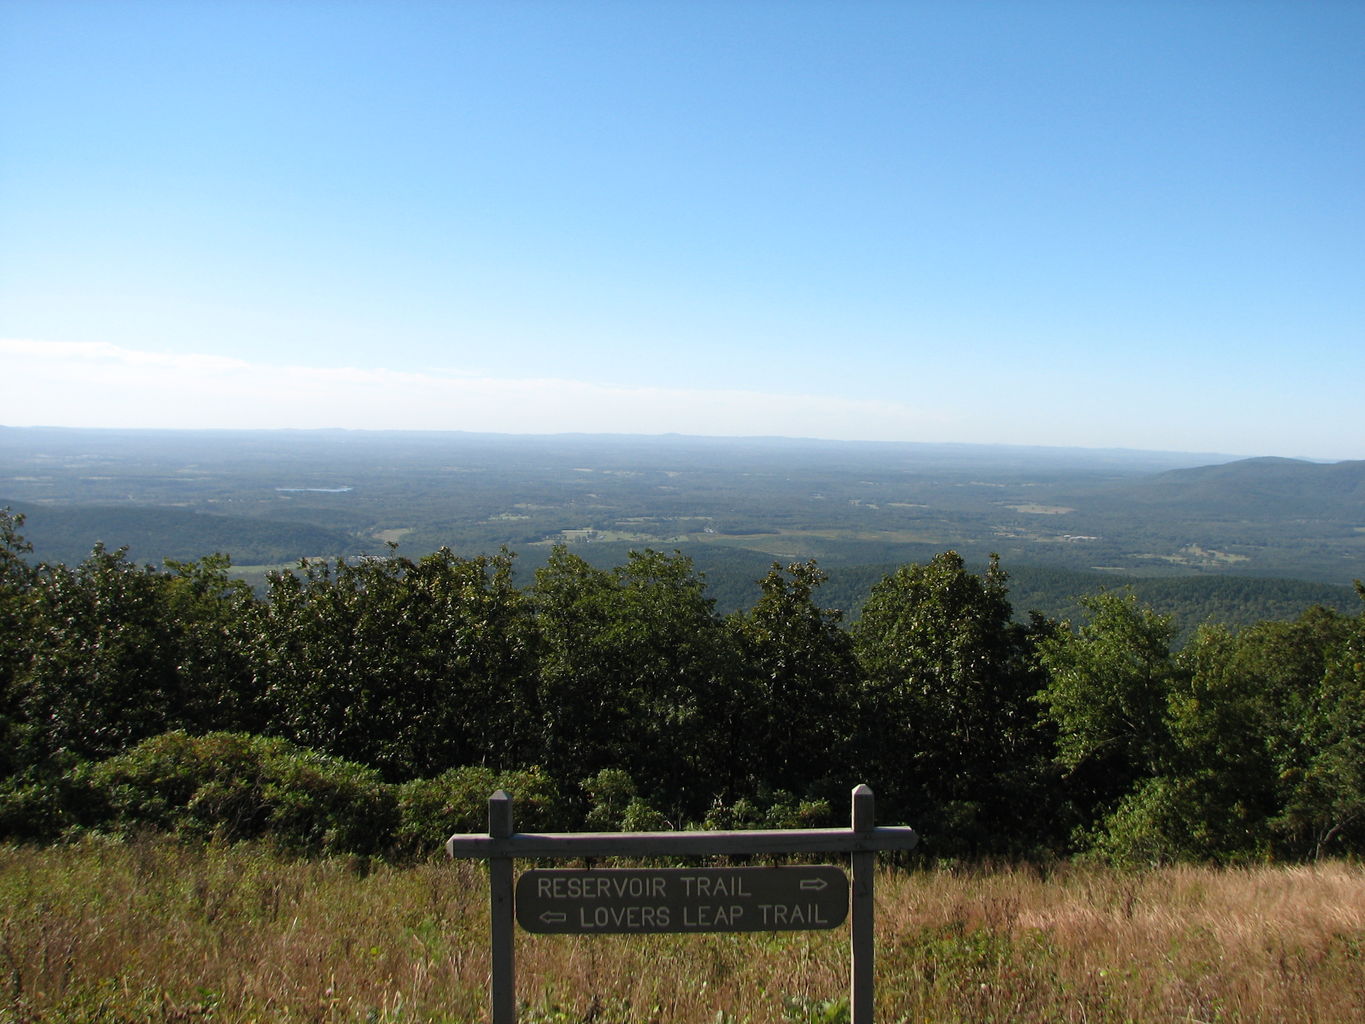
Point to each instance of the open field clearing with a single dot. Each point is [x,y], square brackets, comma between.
[154,931]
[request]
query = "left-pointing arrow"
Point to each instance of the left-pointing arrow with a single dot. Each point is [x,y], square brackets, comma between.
[550,917]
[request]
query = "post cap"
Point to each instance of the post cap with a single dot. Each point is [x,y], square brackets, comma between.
[863,804]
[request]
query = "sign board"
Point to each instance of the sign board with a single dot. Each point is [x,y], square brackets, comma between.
[642,901]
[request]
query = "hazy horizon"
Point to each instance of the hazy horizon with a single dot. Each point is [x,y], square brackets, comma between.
[674,436]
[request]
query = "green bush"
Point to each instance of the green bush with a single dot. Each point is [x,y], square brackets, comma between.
[42,803]
[616,806]
[769,809]
[237,786]
[431,810]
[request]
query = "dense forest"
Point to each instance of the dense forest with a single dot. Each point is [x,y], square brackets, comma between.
[370,704]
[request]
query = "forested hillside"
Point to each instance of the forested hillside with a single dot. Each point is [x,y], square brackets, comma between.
[371,704]
[1257,488]
[70,531]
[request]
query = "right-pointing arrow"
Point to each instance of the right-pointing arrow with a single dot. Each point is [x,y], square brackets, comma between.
[813,884]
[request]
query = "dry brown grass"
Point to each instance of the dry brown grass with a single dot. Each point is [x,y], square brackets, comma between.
[1089,944]
[155,931]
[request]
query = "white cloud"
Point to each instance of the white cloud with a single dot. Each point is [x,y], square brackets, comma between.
[92,384]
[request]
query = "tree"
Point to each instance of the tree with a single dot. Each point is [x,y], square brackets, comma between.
[16,595]
[951,735]
[799,689]
[1313,676]
[1262,749]
[411,667]
[215,617]
[98,657]
[1211,785]
[633,674]
[1106,694]
[103,654]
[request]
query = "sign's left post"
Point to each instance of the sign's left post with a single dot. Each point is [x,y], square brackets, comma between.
[502,914]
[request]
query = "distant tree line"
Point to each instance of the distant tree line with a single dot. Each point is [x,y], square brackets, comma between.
[371,705]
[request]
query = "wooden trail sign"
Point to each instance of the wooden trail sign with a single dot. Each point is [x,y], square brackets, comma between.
[643,901]
[640,900]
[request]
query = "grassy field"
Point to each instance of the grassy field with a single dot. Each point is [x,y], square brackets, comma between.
[152,931]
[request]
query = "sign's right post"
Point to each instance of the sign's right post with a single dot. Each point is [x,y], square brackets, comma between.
[861,913]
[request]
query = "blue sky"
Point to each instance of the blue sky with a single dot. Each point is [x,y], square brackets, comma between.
[1132,225]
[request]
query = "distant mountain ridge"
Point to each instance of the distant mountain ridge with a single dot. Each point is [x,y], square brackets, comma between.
[1264,487]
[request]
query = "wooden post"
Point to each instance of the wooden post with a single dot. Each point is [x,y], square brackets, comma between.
[502,845]
[501,914]
[861,913]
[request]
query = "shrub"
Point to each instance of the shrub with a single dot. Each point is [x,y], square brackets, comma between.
[430,810]
[769,809]
[41,803]
[238,786]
